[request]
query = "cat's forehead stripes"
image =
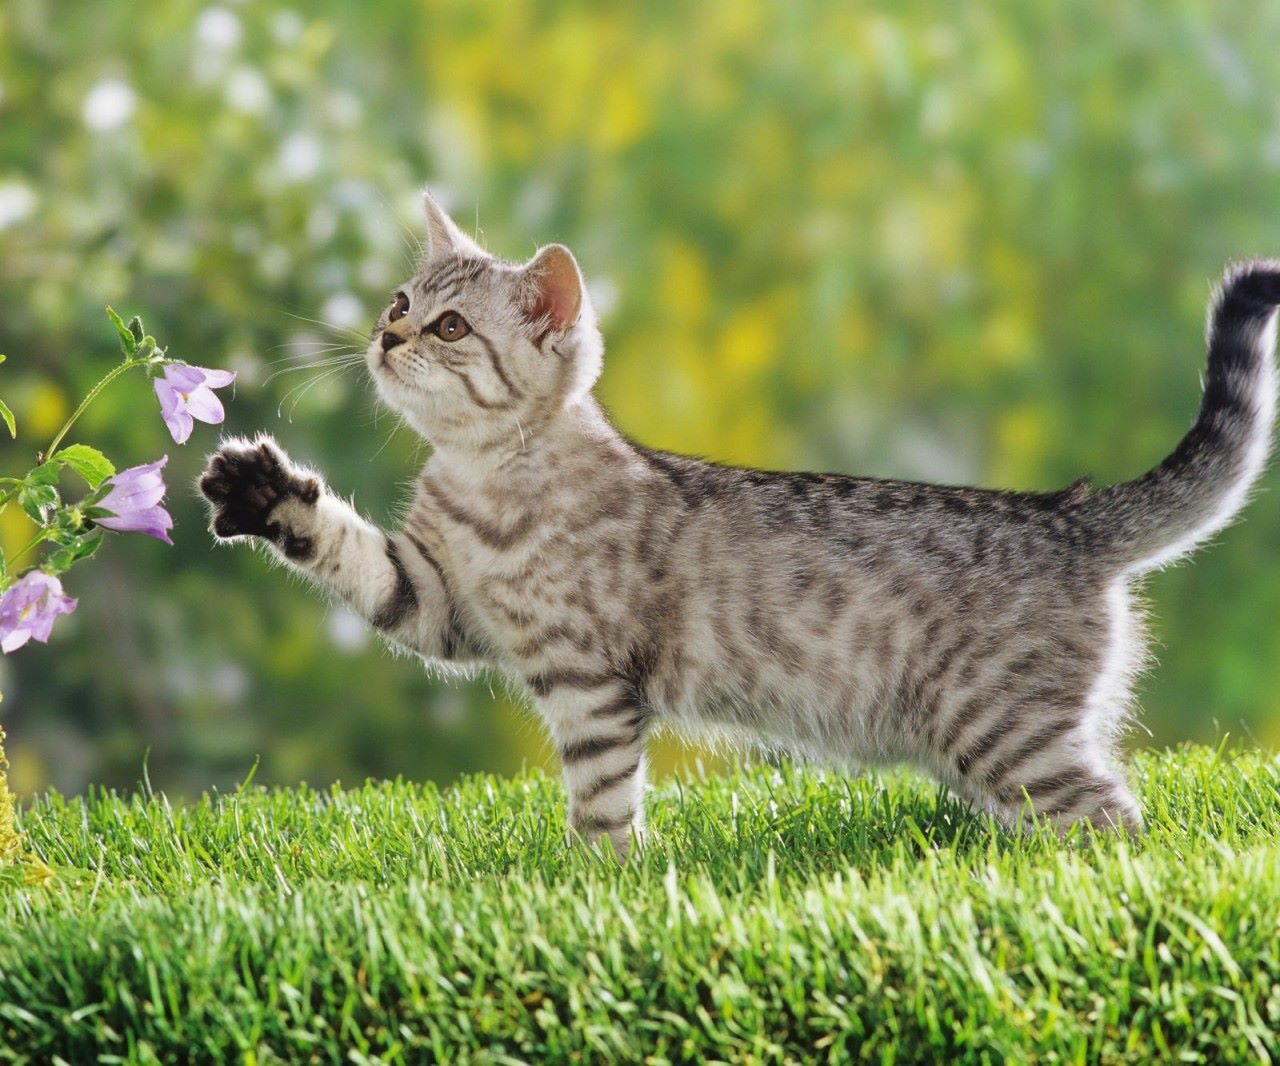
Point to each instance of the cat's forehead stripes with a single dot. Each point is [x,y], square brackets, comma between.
[447,280]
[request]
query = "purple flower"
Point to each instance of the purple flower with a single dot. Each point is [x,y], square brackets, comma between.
[133,504]
[29,607]
[186,393]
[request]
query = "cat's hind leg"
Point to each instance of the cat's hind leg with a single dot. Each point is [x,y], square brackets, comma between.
[1046,753]
[1035,730]
[1077,789]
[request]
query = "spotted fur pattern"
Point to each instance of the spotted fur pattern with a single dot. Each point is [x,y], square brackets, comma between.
[986,637]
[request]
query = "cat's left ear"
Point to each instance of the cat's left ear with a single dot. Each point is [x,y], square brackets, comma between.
[444,238]
[553,289]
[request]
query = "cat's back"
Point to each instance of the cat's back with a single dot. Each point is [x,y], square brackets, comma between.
[871,522]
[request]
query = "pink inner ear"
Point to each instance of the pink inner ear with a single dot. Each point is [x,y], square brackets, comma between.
[558,296]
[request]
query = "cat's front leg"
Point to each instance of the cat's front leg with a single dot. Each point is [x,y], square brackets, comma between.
[256,491]
[599,732]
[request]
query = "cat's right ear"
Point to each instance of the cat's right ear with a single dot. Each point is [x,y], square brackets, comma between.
[444,239]
[553,289]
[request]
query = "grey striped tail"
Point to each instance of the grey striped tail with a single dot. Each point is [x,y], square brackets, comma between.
[1145,523]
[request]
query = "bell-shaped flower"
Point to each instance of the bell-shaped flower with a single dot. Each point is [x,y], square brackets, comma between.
[28,609]
[133,503]
[186,394]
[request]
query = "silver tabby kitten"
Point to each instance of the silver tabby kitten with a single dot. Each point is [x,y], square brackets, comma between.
[986,637]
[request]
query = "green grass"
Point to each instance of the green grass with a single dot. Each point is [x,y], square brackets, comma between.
[776,915]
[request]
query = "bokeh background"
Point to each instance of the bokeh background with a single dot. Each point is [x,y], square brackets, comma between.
[959,242]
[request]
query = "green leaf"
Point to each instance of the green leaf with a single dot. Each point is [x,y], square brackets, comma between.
[127,343]
[88,545]
[37,499]
[88,462]
[68,555]
[46,473]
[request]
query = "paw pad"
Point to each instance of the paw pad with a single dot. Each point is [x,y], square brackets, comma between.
[245,484]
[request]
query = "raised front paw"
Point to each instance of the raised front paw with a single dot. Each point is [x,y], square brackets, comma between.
[247,482]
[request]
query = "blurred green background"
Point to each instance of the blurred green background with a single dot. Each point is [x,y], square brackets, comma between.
[967,243]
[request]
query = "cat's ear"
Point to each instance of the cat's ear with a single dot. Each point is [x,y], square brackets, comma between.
[553,288]
[444,239]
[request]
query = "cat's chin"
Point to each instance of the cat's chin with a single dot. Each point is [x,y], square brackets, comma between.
[409,401]
[388,380]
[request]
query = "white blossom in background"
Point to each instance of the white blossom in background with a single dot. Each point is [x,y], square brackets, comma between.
[228,682]
[378,229]
[322,224]
[217,34]
[287,27]
[331,274]
[347,630]
[218,28]
[246,238]
[274,262]
[17,201]
[108,105]
[248,367]
[448,707]
[300,157]
[352,195]
[604,296]
[374,273]
[535,203]
[343,108]
[247,91]
[344,309]
[304,344]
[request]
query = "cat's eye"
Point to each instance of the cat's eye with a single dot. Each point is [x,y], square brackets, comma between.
[450,326]
[399,307]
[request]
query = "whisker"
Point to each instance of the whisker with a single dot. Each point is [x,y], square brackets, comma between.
[303,388]
[390,437]
[339,362]
[347,330]
[317,358]
[315,348]
[299,342]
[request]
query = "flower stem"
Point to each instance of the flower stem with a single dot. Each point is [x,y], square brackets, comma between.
[111,375]
[28,546]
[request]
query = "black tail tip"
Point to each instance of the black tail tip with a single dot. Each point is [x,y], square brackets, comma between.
[1251,281]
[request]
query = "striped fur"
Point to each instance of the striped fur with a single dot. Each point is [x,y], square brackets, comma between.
[987,637]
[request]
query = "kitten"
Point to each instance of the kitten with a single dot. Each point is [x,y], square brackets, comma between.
[985,637]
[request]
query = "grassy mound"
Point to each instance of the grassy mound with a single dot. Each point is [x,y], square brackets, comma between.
[776,915]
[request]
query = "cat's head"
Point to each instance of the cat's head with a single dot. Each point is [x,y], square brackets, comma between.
[476,351]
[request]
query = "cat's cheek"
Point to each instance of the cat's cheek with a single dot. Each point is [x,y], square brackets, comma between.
[389,391]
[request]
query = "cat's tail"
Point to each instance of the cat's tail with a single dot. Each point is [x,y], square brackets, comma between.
[1162,515]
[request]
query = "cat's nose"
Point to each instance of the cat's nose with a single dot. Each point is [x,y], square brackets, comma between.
[390,340]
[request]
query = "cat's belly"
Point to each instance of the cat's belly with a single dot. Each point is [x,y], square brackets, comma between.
[825,708]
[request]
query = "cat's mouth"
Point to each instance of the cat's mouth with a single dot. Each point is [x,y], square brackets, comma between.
[385,364]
